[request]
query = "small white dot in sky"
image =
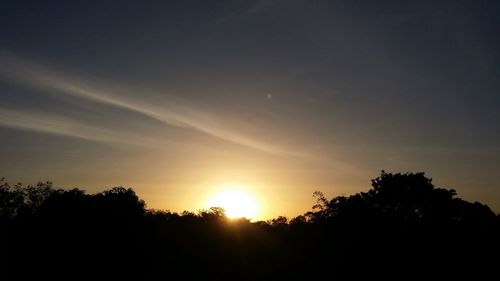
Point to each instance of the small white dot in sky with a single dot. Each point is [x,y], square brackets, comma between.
[269,96]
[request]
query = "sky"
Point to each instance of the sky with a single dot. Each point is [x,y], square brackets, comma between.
[180,99]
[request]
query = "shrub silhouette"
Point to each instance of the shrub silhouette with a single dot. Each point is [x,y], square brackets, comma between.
[402,224]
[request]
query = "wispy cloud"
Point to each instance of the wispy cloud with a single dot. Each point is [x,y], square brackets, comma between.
[169,111]
[59,125]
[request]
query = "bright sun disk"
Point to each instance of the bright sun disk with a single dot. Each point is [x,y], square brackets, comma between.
[236,203]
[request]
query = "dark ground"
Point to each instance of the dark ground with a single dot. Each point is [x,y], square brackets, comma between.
[403,227]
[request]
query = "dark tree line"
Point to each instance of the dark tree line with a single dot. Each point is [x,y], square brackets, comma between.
[402,225]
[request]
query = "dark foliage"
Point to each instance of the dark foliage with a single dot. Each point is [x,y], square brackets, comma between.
[402,227]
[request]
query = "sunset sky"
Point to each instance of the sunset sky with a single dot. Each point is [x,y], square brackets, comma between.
[182,99]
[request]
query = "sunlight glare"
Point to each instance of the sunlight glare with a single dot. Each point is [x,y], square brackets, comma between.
[236,202]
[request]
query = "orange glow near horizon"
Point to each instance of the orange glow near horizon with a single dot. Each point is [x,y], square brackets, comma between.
[236,201]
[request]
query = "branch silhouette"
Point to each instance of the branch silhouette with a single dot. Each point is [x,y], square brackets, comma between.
[403,223]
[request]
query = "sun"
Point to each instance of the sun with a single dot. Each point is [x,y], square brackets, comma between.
[236,202]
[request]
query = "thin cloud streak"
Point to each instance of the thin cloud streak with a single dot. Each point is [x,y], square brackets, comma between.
[58,125]
[172,112]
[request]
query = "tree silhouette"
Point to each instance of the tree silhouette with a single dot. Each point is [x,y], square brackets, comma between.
[403,223]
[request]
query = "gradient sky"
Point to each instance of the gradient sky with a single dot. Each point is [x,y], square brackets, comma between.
[178,99]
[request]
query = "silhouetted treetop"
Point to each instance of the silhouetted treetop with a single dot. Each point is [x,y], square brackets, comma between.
[403,222]
[407,197]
